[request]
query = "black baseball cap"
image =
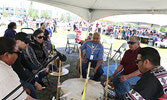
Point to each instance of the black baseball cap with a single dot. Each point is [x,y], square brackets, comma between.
[23,37]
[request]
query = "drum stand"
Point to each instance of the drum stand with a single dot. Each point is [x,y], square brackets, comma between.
[80,61]
[106,87]
[58,82]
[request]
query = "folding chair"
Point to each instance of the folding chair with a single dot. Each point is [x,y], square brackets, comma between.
[107,43]
[121,50]
[71,41]
[29,31]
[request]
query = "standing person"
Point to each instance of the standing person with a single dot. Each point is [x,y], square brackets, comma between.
[10,32]
[55,25]
[48,28]
[94,54]
[152,85]
[78,35]
[46,37]
[9,79]
[130,74]
[74,26]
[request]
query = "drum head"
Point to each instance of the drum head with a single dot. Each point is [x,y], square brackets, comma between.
[74,88]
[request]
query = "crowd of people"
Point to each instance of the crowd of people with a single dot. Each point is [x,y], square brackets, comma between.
[120,32]
[21,57]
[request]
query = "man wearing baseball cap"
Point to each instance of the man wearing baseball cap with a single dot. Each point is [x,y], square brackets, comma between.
[21,66]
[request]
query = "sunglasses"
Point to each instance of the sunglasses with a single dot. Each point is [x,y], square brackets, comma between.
[131,43]
[40,37]
[17,52]
[137,61]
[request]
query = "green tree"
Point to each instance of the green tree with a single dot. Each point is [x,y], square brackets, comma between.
[34,14]
[30,11]
[62,17]
[45,14]
[68,16]
[5,14]
[163,29]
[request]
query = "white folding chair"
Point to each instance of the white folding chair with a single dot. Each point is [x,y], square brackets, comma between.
[121,50]
[71,41]
[107,44]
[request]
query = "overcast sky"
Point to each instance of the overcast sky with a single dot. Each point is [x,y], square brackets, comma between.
[155,19]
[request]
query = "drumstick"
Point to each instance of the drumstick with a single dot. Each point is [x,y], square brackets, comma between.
[52,65]
[106,89]
[65,95]
[80,65]
[58,82]
[86,81]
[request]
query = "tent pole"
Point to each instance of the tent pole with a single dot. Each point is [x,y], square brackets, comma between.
[89,20]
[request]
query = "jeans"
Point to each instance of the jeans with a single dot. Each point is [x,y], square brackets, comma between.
[31,88]
[99,72]
[122,87]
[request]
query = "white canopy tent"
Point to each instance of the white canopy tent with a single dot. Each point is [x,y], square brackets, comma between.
[153,20]
[91,10]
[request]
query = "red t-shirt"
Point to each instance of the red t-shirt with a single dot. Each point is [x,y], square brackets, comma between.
[129,61]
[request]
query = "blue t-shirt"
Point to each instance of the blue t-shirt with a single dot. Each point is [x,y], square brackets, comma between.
[10,33]
[93,49]
[50,31]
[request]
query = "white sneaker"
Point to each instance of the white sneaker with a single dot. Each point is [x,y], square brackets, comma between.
[111,94]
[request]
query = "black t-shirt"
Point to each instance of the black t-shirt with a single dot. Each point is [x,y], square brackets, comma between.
[46,33]
[149,87]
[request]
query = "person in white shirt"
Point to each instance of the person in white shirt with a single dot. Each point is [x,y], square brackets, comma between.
[8,78]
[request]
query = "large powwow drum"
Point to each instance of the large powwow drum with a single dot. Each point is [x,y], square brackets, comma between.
[72,89]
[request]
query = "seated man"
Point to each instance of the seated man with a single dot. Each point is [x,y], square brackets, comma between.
[20,65]
[38,54]
[129,76]
[152,84]
[94,54]
[9,79]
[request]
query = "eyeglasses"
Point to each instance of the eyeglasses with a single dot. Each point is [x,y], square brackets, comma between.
[137,61]
[40,37]
[17,52]
[132,43]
